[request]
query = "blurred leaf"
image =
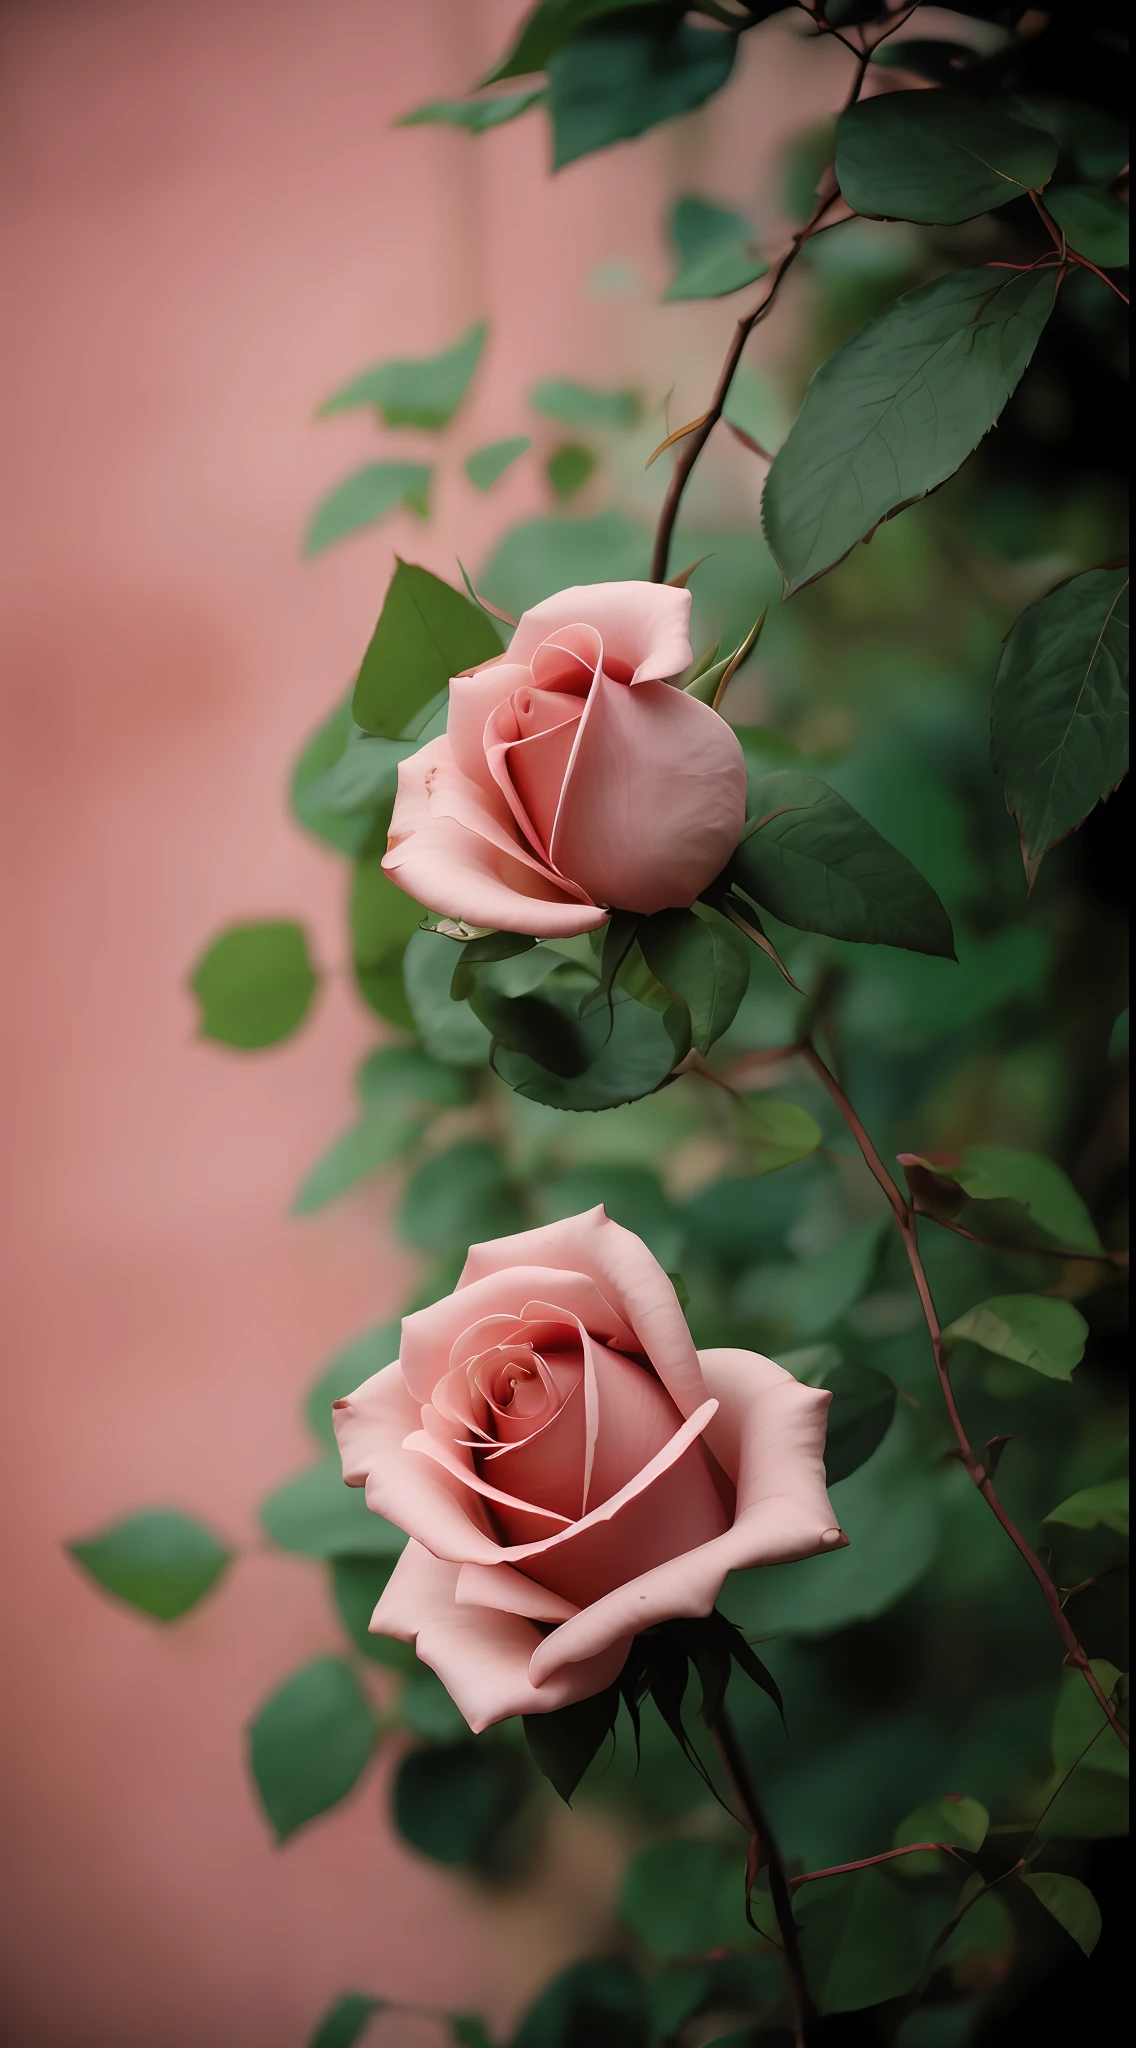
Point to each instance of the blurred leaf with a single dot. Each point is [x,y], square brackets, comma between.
[1118,1037]
[890,1510]
[396,1075]
[895,411]
[255,984]
[1095,142]
[377,1138]
[353,1363]
[424,391]
[954,1819]
[1059,731]
[309,1743]
[357,1584]
[933,157]
[628,76]
[1095,1507]
[454,1800]
[811,1295]
[938,62]
[364,497]
[683,1896]
[468,2031]
[457,1198]
[563,1743]
[160,1561]
[579,405]
[1036,1330]
[1095,224]
[600,2004]
[315,1515]
[1078,1716]
[1070,1902]
[860,1941]
[986,1930]
[812,861]
[427,632]
[541,556]
[365,777]
[449,1031]
[547,27]
[382,919]
[485,465]
[426,1707]
[777,1133]
[475,115]
[568,468]
[713,250]
[863,1404]
[632,1195]
[702,963]
[327,746]
[347,2020]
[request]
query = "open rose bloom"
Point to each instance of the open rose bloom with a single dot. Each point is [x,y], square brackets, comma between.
[570,1470]
[573,778]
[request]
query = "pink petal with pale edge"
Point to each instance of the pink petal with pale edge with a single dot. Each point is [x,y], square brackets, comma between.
[480,1654]
[498,1585]
[646,625]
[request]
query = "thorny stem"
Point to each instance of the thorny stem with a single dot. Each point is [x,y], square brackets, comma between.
[865,1862]
[768,1854]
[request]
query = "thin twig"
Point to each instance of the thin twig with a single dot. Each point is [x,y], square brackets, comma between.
[885,1856]
[1037,1251]
[768,1854]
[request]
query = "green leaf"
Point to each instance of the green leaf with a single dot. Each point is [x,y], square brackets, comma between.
[353,1363]
[309,1743]
[777,1133]
[547,27]
[986,1931]
[863,1404]
[954,1819]
[485,465]
[1038,1201]
[347,2020]
[702,963]
[364,497]
[1070,1902]
[632,1195]
[449,1030]
[1096,143]
[1096,1507]
[382,919]
[357,1584]
[936,156]
[425,391]
[1037,1330]
[601,2004]
[811,860]
[539,1030]
[628,76]
[563,1743]
[1059,730]
[468,2031]
[627,1061]
[1088,1797]
[426,1707]
[325,748]
[681,1897]
[568,468]
[811,1295]
[255,984]
[486,951]
[713,250]
[1118,1037]
[579,405]
[159,1561]
[457,1198]
[365,777]
[1095,224]
[541,556]
[474,115]
[401,1074]
[315,1515]
[894,412]
[376,1138]
[860,1941]
[426,633]
[454,1800]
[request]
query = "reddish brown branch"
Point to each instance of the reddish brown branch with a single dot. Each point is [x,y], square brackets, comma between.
[764,1852]
[885,1856]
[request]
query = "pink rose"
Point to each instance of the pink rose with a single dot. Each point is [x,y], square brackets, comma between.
[572,778]
[570,1470]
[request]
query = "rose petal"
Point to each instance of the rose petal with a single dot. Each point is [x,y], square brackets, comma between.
[450,794]
[498,1585]
[480,1654]
[472,699]
[462,875]
[646,625]
[770,1430]
[654,798]
[631,1280]
[417,1494]
[430,1335]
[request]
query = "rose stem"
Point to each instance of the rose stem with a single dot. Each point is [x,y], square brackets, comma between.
[738,1773]
[906,1224]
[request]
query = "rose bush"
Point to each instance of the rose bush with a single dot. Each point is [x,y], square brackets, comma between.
[570,1470]
[573,778]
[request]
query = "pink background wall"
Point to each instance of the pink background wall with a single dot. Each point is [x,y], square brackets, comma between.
[208,223]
